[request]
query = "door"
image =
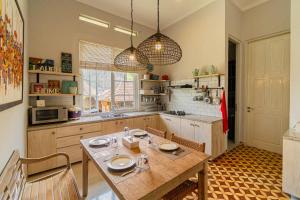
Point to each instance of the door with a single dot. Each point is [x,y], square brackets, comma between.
[187,129]
[268,92]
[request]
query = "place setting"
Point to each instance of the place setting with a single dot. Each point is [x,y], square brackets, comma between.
[123,166]
[172,150]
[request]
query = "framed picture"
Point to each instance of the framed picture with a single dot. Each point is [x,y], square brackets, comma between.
[11,54]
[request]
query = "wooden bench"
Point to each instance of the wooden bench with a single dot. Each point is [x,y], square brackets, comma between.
[59,185]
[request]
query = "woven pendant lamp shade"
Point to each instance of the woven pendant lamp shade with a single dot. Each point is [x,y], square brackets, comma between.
[131,59]
[160,49]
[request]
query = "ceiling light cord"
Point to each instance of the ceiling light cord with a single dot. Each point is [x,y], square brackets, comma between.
[131,35]
[158,28]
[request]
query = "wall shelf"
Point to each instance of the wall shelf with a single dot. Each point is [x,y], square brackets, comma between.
[161,94]
[208,76]
[158,81]
[53,95]
[39,72]
[197,78]
[52,73]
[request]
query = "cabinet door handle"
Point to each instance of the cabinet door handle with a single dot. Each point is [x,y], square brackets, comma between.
[81,137]
[53,133]
[192,124]
[196,125]
[81,129]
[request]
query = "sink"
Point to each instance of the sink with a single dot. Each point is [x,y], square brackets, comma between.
[113,115]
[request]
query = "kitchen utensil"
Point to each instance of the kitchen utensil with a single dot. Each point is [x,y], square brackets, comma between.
[168,146]
[120,162]
[99,142]
[178,151]
[129,172]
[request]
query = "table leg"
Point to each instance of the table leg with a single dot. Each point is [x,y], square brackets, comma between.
[85,175]
[202,183]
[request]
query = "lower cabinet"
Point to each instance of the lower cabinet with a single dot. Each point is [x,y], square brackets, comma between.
[187,130]
[170,124]
[41,143]
[210,134]
[67,140]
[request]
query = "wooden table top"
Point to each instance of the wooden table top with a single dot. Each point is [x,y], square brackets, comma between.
[164,174]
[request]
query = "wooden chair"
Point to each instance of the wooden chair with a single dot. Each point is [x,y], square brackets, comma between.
[156,132]
[189,185]
[59,185]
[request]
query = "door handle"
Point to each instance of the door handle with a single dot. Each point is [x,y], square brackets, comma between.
[249,109]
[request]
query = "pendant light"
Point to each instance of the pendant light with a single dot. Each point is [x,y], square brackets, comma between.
[131,59]
[160,49]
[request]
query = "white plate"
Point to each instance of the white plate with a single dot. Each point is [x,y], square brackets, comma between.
[138,133]
[168,146]
[98,142]
[121,162]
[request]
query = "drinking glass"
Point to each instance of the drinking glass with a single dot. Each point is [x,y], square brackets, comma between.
[114,145]
[126,131]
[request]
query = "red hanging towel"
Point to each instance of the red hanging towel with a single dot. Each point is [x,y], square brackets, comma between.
[224,113]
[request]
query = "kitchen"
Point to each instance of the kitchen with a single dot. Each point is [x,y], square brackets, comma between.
[74,90]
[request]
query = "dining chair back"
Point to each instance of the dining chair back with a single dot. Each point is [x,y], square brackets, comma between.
[193,145]
[58,185]
[156,132]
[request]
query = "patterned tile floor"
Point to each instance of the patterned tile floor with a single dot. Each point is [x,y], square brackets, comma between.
[245,173]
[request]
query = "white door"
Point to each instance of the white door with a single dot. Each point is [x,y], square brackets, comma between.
[268,92]
[187,129]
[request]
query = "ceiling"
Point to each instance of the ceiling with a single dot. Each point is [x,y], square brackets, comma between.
[171,10]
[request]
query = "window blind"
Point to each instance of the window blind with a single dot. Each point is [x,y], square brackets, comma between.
[97,56]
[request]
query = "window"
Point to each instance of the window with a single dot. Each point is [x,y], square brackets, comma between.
[104,89]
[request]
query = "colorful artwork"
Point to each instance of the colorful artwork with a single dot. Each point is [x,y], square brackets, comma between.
[11,54]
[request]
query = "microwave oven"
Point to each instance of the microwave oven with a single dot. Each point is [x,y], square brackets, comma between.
[43,115]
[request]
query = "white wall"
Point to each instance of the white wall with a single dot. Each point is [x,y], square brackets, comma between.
[233,20]
[270,17]
[295,63]
[13,121]
[202,39]
[55,28]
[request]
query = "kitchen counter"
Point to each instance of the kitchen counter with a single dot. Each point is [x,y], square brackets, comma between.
[98,118]
[87,120]
[200,118]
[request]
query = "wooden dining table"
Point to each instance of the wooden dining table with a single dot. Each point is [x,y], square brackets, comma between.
[163,175]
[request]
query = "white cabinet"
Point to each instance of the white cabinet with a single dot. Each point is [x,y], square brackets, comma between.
[187,129]
[203,134]
[170,124]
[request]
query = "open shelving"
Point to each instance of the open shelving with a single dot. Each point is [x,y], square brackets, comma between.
[197,78]
[53,95]
[52,73]
[39,72]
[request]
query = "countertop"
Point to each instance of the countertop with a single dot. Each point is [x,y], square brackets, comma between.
[291,134]
[199,118]
[98,118]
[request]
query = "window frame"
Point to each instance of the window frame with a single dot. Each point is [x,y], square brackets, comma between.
[113,81]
